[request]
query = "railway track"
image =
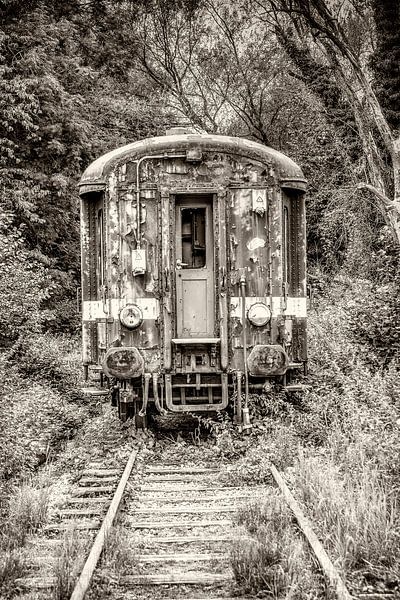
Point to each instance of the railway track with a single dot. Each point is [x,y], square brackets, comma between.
[176,532]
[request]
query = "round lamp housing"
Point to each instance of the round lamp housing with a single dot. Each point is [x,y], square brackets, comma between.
[131,316]
[259,314]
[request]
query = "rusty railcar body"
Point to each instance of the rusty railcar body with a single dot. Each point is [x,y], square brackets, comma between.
[193,271]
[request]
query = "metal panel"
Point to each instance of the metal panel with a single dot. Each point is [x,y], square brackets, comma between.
[284,168]
[193,313]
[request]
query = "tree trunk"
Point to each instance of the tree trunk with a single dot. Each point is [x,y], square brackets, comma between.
[356,87]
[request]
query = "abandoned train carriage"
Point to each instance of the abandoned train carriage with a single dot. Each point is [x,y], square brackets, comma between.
[193,270]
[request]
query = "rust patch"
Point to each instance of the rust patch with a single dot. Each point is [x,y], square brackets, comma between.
[123,363]
[267,361]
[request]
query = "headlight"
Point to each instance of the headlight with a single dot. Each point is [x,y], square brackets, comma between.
[259,314]
[131,316]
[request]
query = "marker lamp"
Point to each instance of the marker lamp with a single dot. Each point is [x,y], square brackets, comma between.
[259,314]
[131,316]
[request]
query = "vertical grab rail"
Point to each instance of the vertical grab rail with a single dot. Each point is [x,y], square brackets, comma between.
[245,410]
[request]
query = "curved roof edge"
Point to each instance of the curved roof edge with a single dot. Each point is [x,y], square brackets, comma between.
[288,170]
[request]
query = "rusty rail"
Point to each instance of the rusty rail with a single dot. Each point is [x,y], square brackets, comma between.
[89,567]
[329,570]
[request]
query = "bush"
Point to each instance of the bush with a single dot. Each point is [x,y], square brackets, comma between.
[375,323]
[47,358]
[42,409]
[37,422]
[23,286]
[25,513]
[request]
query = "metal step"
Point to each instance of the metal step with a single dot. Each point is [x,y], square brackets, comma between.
[296,387]
[93,392]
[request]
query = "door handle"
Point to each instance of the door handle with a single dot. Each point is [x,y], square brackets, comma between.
[166,279]
[180,264]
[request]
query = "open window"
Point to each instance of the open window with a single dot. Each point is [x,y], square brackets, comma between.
[193,233]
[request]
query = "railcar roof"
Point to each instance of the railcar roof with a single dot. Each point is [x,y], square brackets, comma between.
[287,169]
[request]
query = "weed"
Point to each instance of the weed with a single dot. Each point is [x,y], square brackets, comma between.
[271,512]
[27,512]
[354,514]
[118,553]
[12,566]
[267,556]
[67,565]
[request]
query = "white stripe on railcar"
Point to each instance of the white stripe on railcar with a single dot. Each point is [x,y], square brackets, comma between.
[295,307]
[97,309]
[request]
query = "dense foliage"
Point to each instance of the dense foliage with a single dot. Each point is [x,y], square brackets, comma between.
[65,99]
[386,58]
[80,78]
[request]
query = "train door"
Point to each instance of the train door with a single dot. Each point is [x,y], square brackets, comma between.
[194,269]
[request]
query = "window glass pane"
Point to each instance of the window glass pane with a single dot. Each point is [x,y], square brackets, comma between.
[193,227]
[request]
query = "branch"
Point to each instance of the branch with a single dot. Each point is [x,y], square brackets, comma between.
[389,204]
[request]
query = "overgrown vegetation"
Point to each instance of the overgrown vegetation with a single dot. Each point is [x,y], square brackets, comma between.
[338,444]
[25,512]
[316,80]
[119,555]
[41,407]
[68,565]
[267,557]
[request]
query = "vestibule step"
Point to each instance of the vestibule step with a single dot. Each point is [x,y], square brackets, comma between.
[195,341]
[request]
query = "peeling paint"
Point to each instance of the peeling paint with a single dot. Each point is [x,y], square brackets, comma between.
[243,180]
[256,243]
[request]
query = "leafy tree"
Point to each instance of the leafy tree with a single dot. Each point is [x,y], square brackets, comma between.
[385,59]
[67,96]
[23,286]
[325,30]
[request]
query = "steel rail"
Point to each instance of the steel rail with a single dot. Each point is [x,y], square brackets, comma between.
[328,568]
[83,583]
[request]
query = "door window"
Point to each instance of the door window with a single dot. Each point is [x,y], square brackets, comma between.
[193,233]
